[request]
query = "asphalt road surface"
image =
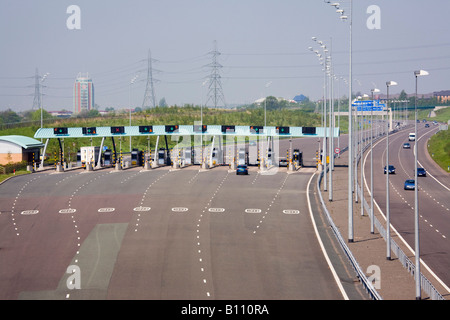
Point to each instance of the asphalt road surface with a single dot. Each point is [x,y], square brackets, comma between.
[434,200]
[161,234]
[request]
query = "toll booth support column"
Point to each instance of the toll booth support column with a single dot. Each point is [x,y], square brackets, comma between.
[41,165]
[211,153]
[99,162]
[155,162]
[61,151]
[115,152]
[168,160]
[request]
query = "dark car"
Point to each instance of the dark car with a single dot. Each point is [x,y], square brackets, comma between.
[409,184]
[427,125]
[241,169]
[406,145]
[391,169]
[421,172]
[283,162]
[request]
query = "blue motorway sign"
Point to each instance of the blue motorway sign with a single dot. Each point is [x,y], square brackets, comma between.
[369,105]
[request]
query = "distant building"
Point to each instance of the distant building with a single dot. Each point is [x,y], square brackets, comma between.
[300,98]
[83,94]
[442,96]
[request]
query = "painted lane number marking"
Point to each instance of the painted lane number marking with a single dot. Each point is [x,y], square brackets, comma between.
[70,210]
[29,212]
[142,209]
[252,210]
[291,211]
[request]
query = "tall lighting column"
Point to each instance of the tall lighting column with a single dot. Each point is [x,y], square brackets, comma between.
[388,220]
[344,17]
[416,195]
[371,163]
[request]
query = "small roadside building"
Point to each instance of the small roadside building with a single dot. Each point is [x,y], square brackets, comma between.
[19,148]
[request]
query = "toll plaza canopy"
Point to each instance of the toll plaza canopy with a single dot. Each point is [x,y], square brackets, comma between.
[157,130]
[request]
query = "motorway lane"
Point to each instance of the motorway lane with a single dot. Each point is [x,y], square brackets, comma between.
[38,247]
[433,200]
[267,254]
[158,258]
[161,253]
[216,249]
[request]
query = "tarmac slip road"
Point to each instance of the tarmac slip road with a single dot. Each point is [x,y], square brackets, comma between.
[160,234]
[433,194]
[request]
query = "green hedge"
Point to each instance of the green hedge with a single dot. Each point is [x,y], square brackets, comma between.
[10,167]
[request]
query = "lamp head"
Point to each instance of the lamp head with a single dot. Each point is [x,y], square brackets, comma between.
[391,83]
[421,73]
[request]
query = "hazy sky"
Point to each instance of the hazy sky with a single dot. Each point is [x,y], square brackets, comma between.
[260,41]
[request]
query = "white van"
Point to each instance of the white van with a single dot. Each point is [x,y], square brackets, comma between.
[412,137]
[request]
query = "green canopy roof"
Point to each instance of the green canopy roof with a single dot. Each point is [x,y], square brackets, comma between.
[24,142]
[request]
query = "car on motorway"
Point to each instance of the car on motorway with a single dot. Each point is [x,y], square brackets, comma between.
[427,125]
[412,136]
[421,172]
[409,184]
[391,169]
[242,169]
[406,145]
[283,162]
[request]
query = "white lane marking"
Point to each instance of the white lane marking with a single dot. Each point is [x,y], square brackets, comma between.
[216,209]
[141,209]
[29,212]
[69,210]
[291,211]
[252,210]
[179,209]
[106,209]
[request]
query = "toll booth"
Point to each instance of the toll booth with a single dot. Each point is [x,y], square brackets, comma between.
[188,156]
[108,157]
[136,157]
[297,157]
[217,156]
[161,156]
[89,155]
[242,157]
[269,156]
[79,158]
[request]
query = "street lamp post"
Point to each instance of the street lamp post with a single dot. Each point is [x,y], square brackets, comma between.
[344,17]
[371,164]
[416,194]
[388,221]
